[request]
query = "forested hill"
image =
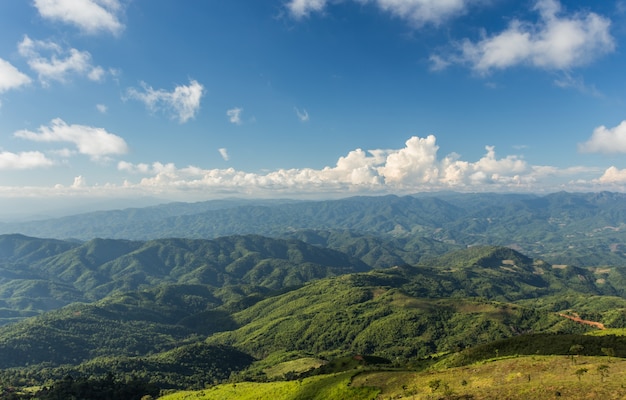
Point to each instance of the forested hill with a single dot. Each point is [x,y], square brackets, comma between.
[42,274]
[562,228]
[189,334]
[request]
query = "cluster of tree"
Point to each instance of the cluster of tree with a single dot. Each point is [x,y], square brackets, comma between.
[545,344]
[87,388]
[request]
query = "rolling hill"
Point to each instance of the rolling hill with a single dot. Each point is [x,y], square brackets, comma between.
[404,314]
[38,275]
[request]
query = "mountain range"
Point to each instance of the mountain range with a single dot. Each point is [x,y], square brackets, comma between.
[562,228]
[411,282]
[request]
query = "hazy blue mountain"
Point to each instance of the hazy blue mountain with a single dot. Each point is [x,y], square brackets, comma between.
[566,228]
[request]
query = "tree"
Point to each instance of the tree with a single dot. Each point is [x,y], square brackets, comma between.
[580,372]
[603,370]
[434,385]
[609,351]
[575,349]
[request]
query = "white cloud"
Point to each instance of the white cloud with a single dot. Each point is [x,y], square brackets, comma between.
[183,102]
[79,182]
[416,163]
[234,115]
[415,167]
[94,142]
[132,168]
[302,8]
[606,140]
[101,108]
[11,77]
[302,115]
[91,16]
[224,153]
[556,41]
[52,62]
[421,12]
[613,175]
[416,12]
[24,160]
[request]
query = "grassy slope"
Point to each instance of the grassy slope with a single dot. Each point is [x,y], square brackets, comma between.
[335,386]
[530,377]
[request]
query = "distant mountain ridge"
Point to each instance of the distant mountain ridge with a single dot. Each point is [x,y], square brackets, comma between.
[563,228]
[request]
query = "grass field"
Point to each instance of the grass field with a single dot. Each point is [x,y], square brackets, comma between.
[528,377]
[323,387]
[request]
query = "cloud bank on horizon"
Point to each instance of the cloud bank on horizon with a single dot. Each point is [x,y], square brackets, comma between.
[552,37]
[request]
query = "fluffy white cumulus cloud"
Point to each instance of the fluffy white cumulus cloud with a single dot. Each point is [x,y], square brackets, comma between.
[415,164]
[557,41]
[415,167]
[53,62]
[90,16]
[11,77]
[94,142]
[606,140]
[24,160]
[416,12]
[182,103]
[613,175]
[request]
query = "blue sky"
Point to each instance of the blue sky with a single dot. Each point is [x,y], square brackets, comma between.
[201,99]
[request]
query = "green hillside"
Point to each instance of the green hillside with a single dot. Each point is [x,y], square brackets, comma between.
[519,378]
[40,275]
[192,313]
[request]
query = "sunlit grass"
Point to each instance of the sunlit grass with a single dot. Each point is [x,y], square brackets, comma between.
[608,331]
[529,377]
[335,386]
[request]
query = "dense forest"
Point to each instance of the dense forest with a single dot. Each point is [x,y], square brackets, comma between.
[130,318]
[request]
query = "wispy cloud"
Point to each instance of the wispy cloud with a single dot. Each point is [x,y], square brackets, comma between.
[234,115]
[11,77]
[568,81]
[416,12]
[94,142]
[606,140]
[302,8]
[557,41]
[101,108]
[182,103]
[24,160]
[303,115]
[90,16]
[53,62]
[224,154]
